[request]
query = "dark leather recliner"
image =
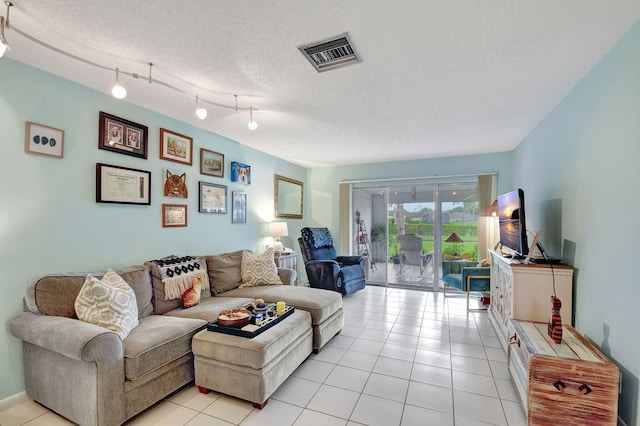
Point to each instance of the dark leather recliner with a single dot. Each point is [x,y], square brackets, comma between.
[325,269]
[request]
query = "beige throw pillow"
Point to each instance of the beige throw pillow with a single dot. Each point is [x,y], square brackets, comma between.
[260,270]
[109,303]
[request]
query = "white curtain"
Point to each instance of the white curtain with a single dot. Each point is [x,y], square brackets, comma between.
[487,235]
[344,244]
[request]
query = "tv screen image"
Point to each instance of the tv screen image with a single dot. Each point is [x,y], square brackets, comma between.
[511,217]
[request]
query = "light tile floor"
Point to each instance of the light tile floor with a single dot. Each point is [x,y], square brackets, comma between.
[404,357]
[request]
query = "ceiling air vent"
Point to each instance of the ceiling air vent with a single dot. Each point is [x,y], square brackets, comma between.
[332,53]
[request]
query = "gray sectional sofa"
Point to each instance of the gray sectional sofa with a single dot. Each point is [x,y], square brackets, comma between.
[91,376]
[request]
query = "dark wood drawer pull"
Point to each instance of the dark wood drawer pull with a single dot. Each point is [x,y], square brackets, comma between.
[585,387]
[559,384]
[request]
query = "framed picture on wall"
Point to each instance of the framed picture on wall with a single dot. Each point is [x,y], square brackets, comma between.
[240,173]
[122,185]
[176,147]
[213,198]
[174,215]
[44,140]
[211,163]
[239,207]
[174,183]
[123,136]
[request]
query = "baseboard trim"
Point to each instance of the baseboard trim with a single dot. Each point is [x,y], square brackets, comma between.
[16,399]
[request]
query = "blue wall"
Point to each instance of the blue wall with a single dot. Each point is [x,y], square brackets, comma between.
[580,172]
[50,222]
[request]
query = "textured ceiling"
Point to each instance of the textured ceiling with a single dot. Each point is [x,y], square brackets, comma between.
[437,78]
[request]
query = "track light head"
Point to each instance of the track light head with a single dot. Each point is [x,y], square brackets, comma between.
[118,91]
[201,113]
[252,124]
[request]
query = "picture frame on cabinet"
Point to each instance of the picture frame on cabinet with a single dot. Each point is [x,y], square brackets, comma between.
[44,140]
[176,147]
[174,215]
[122,136]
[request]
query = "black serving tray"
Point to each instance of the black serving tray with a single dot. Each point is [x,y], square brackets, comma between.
[235,331]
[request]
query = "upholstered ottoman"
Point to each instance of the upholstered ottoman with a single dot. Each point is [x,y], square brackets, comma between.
[252,368]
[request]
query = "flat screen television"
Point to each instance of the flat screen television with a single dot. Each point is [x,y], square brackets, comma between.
[511,217]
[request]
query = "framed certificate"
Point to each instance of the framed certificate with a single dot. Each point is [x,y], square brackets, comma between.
[115,184]
[213,198]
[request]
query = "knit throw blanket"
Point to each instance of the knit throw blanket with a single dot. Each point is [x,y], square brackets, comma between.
[318,237]
[177,274]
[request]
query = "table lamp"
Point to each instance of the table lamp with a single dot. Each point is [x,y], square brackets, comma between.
[278,229]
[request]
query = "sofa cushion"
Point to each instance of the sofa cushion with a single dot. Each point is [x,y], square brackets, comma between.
[321,304]
[55,294]
[224,271]
[165,300]
[108,303]
[209,309]
[157,340]
[259,270]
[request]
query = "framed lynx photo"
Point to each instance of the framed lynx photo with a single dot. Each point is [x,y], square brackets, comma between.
[176,147]
[122,136]
[211,163]
[174,183]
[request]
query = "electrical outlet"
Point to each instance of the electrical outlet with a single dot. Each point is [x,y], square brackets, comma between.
[265,247]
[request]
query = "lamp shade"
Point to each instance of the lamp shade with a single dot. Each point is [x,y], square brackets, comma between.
[278,229]
[453,238]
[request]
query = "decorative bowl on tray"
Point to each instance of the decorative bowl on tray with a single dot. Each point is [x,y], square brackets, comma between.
[234,318]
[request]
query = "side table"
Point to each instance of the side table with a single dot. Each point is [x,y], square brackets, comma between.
[288,260]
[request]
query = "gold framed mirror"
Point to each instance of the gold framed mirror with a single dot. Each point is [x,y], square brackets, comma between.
[287,198]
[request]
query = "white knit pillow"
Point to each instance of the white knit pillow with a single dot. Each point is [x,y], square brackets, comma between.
[109,303]
[260,270]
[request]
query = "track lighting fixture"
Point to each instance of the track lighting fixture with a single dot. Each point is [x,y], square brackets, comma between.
[118,91]
[201,113]
[252,124]
[4,23]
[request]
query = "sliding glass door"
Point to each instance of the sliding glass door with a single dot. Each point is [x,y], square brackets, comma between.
[403,230]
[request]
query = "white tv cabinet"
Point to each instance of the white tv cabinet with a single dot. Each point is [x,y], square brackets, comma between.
[523,292]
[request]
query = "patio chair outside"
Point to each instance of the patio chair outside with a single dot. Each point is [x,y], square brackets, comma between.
[411,252]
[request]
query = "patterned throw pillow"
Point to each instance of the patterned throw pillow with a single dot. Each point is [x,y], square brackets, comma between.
[260,270]
[109,303]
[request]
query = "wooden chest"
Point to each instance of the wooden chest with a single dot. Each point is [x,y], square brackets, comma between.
[570,383]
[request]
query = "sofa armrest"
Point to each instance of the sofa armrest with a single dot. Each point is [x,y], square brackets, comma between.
[69,337]
[351,260]
[288,276]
